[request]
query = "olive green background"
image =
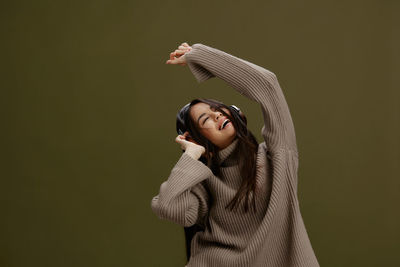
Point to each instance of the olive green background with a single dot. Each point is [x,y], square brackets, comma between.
[88,122]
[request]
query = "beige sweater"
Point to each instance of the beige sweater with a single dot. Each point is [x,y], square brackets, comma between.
[275,235]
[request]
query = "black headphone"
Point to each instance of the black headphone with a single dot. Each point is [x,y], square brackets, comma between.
[183,113]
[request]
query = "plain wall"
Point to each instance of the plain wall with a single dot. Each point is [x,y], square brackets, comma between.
[89,105]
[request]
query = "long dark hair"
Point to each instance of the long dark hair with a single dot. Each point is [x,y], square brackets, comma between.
[245,152]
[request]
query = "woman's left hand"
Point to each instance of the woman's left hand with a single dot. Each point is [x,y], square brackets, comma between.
[178,56]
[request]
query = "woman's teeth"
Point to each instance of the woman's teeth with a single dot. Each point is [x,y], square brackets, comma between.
[224,124]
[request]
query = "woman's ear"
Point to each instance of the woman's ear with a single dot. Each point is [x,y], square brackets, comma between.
[187,134]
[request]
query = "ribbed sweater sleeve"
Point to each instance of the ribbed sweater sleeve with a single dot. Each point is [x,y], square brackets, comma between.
[182,198]
[252,81]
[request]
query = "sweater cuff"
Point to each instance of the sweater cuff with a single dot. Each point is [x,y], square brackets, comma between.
[186,173]
[193,170]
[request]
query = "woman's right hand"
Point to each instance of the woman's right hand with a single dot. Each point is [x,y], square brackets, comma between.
[178,56]
[190,146]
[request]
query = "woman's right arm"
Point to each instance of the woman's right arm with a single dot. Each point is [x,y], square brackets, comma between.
[182,198]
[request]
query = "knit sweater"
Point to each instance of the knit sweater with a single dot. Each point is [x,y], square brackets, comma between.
[273,236]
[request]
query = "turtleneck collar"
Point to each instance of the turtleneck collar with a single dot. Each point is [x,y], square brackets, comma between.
[224,153]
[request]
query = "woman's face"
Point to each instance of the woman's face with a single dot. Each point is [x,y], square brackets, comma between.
[210,123]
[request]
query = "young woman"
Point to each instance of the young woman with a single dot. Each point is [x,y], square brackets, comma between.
[224,171]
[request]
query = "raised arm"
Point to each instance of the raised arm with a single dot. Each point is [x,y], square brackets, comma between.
[182,198]
[252,81]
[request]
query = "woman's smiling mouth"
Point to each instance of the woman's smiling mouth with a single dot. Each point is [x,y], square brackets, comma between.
[224,124]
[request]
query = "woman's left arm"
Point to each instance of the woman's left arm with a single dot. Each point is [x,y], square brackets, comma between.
[252,81]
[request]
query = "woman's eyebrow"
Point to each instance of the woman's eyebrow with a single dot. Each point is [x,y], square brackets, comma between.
[198,120]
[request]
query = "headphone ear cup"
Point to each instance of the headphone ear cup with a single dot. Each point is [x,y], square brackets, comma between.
[180,121]
[240,113]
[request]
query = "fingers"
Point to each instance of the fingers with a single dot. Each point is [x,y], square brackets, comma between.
[179,139]
[186,45]
[180,51]
[176,56]
[185,48]
[188,138]
[171,59]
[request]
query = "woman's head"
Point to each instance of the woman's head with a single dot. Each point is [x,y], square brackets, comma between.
[210,121]
[213,124]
